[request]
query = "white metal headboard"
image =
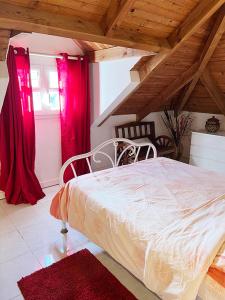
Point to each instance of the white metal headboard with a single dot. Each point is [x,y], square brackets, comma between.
[129,145]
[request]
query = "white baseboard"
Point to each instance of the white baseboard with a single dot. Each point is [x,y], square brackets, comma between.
[2,195]
[50,182]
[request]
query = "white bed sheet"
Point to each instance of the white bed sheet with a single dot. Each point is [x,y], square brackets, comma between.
[153,217]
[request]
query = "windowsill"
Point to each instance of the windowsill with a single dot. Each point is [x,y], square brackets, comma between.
[46,114]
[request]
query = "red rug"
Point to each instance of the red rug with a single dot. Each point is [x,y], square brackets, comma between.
[80,276]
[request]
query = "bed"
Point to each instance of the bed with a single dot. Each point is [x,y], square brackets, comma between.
[161,219]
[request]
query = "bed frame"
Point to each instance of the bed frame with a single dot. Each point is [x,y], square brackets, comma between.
[128,145]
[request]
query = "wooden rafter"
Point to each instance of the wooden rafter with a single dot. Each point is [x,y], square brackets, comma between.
[210,46]
[116,53]
[204,10]
[171,89]
[86,46]
[27,19]
[4,43]
[214,91]
[115,14]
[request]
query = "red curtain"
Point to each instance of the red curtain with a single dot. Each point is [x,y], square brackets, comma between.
[74,110]
[17,134]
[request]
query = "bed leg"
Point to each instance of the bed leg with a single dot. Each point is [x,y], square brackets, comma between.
[64,228]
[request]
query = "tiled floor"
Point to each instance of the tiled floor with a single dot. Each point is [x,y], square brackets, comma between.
[30,239]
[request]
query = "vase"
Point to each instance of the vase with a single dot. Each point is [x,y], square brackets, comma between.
[212,125]
[178,152]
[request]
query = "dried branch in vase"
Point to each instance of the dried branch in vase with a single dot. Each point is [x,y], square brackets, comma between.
[178,126]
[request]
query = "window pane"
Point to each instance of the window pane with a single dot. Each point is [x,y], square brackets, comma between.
[37,101]
[53,79]
[54,100]
[35,78]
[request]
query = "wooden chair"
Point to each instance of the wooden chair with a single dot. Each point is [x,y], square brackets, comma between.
[146,130]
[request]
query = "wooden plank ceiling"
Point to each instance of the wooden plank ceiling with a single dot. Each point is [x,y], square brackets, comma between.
[191,79]
[179,40]
[138,24]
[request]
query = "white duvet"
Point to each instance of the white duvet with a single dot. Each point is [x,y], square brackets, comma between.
[162,220]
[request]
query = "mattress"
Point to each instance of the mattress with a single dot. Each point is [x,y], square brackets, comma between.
[161,219]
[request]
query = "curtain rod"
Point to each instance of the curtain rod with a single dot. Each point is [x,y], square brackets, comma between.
[53,56]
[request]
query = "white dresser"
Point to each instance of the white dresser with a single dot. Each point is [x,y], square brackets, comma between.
[208,151]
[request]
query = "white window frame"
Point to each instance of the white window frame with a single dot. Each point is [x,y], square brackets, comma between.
[44,88]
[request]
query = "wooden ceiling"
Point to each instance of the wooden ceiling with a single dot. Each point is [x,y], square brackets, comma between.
[139,24]
[191,78]
[185,37]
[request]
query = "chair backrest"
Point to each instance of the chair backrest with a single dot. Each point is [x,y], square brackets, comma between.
[136,130]
[101,150]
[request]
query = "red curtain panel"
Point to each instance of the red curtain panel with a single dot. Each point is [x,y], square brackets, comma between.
[17,134]
[74,110]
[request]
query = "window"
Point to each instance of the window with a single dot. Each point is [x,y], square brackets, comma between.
[44,81]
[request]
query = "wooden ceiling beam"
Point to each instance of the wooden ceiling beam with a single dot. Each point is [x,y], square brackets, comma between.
[21,18]
[208,50]
[214,91]
[115,14]
[170,90]
[116,53]
[86,46]
[4,43]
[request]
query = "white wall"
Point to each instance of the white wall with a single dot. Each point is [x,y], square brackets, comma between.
[94,91]
[46,44]
[156,117]
[199,120]
[48,143]
[114,77]
[48,149]
[108,79]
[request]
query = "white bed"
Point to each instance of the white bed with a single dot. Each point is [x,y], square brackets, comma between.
[162,220]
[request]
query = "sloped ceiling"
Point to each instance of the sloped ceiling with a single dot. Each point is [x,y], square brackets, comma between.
[150,96]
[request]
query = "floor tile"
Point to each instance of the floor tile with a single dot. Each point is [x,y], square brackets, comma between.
[12,245]
[25,215]
[12,271]
[60,247]
[39,235]
[6,225]
[20,297]
[50,254]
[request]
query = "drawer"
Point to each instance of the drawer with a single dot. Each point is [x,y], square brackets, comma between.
[208,140]
[207,164]
[208,152]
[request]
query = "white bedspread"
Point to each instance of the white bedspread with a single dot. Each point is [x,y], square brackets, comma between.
[161,219]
